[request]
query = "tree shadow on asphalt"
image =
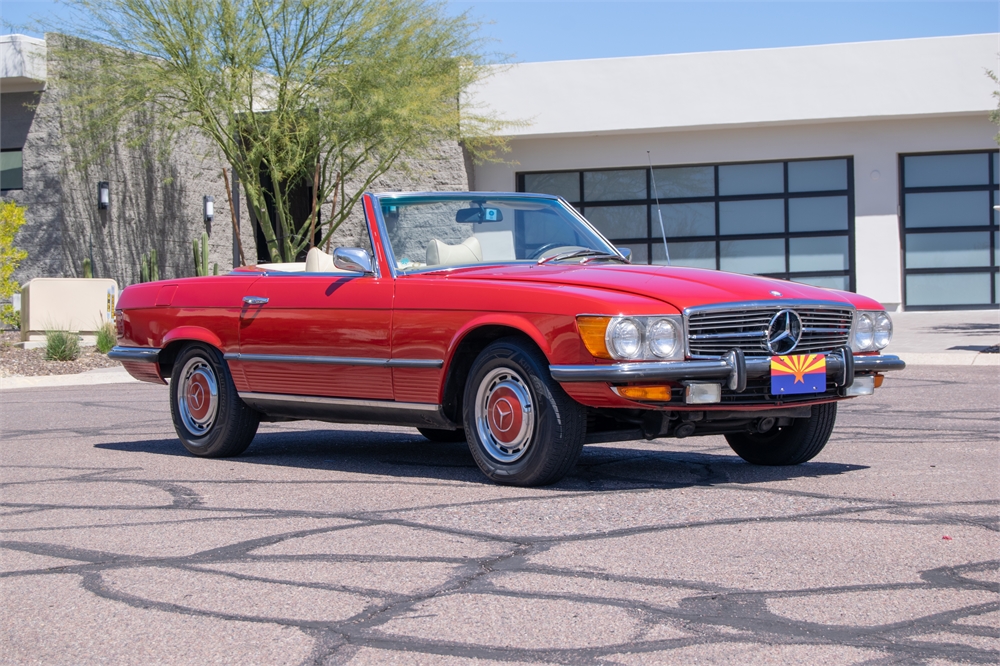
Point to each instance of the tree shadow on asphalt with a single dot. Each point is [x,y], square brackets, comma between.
[601,466]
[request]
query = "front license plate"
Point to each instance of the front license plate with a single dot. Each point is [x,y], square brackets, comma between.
[798,373]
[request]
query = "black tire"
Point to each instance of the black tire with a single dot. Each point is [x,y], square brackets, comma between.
[788,445]
[443,436]
[209,426]
[510,387]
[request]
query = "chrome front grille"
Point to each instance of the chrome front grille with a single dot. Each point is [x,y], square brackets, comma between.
[712,332]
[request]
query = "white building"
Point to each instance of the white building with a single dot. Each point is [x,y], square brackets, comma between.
[868,166]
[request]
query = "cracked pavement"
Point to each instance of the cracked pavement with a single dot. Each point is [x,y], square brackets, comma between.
[328,544]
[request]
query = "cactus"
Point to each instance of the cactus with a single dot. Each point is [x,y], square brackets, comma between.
[88,269]
[149,270]
[215,269]
[201,256]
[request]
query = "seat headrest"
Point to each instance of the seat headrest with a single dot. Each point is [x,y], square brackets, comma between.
[468,251]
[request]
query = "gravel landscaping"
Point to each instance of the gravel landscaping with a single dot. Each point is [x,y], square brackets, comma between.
[17,362]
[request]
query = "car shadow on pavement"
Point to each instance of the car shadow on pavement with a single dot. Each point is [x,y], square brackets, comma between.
[622,465]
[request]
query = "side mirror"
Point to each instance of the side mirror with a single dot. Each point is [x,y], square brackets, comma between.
[352,259]
[626,252]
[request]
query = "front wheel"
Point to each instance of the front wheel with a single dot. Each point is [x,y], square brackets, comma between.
[209,417]
[787,445]
[522,428]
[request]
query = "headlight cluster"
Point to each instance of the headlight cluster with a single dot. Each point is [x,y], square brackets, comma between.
[872,331]
[624,338]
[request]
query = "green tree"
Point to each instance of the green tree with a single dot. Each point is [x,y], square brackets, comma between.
[329,93]
[11,219]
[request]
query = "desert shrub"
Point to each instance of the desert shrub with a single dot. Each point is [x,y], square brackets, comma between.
[107,336]
[61,346]
[11,219]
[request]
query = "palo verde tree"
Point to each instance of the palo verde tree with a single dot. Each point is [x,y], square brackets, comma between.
[327,93]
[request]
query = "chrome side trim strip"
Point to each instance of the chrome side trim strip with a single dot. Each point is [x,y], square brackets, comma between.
[279,398]
[338,360]
[708,369]
[144,354]
[349,410]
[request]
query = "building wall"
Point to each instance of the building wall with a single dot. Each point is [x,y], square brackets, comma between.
[856,81]
[155,203]
[874,144]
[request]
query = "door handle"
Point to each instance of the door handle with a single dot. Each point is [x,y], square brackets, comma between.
[254,300]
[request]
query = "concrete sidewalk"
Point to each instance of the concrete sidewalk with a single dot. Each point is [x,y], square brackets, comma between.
[99,376]
[946,338]
[920,338]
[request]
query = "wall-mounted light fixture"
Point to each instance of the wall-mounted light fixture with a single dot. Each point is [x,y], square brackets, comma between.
[208,207]
[103,195]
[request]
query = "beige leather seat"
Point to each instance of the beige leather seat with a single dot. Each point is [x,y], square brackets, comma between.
[468,251]
[318,261]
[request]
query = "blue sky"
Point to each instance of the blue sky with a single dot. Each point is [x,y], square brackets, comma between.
[572,29]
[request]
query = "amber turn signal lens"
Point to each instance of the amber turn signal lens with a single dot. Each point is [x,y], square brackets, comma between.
[878,380]
[592,330]
[652,393]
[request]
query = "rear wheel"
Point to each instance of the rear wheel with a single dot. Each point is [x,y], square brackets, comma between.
[209,417]
[787,445]
[522,427]
[443,436]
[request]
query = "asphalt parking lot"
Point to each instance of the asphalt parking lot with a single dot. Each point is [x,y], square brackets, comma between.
[330,544]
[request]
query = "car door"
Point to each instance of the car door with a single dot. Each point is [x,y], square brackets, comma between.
[317,334]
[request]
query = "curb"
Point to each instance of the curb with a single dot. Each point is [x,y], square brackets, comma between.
[91,377]
[961,358]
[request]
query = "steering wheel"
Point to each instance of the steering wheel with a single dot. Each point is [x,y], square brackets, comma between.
[552,249]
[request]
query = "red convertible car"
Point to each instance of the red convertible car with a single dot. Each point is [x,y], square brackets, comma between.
[508,321]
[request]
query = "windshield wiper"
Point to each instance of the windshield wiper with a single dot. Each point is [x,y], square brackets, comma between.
[586,255]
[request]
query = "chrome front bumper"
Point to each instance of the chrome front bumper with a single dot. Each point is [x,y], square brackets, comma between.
[733,368]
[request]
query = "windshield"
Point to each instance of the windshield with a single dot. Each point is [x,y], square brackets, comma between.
[428,231]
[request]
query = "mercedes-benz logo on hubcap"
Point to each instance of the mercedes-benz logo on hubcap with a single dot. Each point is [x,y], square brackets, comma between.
[783,332]
[196,396]
[503,415]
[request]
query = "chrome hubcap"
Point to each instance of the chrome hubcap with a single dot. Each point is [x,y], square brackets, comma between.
[198,396]
[505,419]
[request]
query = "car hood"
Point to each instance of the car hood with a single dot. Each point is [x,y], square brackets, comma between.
[680,287]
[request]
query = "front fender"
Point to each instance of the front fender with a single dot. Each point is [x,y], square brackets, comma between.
[514,321]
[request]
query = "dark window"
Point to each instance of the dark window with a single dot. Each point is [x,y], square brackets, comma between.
[11,171]
[949,230]
[788,219]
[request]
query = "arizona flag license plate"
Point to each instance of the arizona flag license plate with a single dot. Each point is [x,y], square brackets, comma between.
[798,373]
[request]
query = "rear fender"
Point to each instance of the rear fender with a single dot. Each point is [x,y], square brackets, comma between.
[175,340]
[194,334]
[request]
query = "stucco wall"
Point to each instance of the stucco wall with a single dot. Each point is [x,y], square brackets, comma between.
[892,78]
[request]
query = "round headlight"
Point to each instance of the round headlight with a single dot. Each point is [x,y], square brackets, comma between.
[662,338]
[625,338]
[883,330]
[864,334]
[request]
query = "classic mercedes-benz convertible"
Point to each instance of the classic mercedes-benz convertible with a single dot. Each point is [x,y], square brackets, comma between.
[506,320]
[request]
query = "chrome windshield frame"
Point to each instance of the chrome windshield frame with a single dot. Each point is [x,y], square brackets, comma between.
[377,200]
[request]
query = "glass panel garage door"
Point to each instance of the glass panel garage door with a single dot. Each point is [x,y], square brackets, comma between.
[792,220]
[949,230]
